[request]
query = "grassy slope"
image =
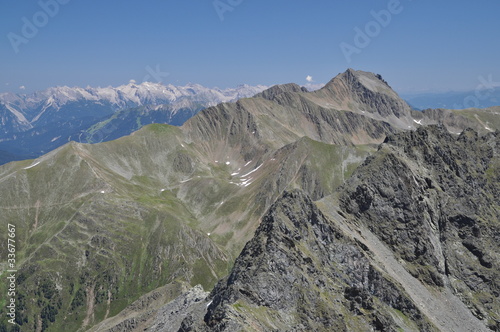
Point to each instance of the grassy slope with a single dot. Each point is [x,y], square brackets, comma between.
[100,225]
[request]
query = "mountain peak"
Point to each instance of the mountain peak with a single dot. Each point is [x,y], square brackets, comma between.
[371,81]
[279,89]
[366,93]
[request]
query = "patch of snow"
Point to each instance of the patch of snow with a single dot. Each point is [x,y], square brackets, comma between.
[228,162]
[417,122]
[18,114]
[246,182]
[244,176]
[208,234]
[55,138]
[247,163]
[102,191]
[209,303]
[233,174]
[32,165]
[163,190]
[488,128]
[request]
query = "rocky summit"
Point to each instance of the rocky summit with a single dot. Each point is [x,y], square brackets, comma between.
[340,209]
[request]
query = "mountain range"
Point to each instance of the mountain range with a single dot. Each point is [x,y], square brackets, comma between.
[37,123]
[337,209]
[40,122]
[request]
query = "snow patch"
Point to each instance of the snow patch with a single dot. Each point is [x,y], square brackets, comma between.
[32,165]
[246,182]
[228,163]
[55,138]
[18,114]
[244,176]
[417,122]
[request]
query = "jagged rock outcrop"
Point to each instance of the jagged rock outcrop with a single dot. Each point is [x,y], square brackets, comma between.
[433,199]
[171,315]
[300,272]
[418,234]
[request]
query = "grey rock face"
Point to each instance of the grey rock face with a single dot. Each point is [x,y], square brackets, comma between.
[301,273]
[170,316]
[433,199]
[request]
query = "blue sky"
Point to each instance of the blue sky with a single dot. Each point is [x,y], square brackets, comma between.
[423,45]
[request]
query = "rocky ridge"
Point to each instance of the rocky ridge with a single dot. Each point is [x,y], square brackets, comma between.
[409,242]
[432,198]
[300,272]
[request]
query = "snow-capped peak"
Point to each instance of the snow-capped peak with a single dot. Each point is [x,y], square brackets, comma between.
[127,95]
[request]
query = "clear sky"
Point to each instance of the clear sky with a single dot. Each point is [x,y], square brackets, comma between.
[424,45]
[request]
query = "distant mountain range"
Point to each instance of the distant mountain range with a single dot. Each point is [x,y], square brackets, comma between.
[33,124]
